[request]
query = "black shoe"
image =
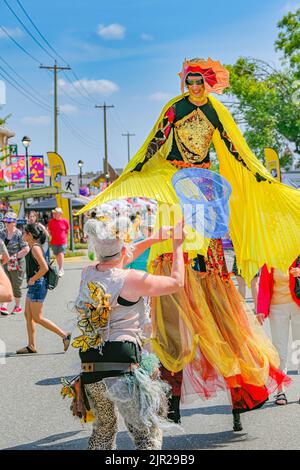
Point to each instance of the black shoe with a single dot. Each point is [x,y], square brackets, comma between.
[237,425]
[174,410]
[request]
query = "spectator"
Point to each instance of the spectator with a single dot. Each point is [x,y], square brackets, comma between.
[6,292]
[279,299]
[59,229]
[36,268]
[33,218]
[3,252]
[15,266]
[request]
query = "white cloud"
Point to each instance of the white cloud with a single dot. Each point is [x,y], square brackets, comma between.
[147,37]
[112,31]
[14,32]
[36,120]
[68,109]
[94,87]
[159,96]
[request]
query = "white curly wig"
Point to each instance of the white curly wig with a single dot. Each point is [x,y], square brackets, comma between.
[109,237]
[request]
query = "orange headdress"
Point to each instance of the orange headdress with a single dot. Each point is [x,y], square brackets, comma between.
[215,76]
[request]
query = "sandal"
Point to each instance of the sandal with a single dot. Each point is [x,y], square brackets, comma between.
[281,397]
[26,350]
[66,341]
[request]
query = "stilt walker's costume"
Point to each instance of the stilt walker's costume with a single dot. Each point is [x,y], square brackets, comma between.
[205,329]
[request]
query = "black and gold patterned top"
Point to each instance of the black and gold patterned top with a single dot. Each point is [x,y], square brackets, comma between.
[193,128]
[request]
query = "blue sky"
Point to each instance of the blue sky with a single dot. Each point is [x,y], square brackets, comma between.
[124,52]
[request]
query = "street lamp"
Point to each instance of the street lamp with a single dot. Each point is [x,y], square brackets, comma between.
[80,164]
[26,142]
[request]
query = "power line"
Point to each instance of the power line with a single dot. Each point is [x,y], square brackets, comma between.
[87,95]
[24,81]
[39,32]
[27,30]
[30,98]
[19,45]
[76,135]
[78,89]
[80,131]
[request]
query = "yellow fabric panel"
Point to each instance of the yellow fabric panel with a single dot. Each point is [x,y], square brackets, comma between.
[264,217]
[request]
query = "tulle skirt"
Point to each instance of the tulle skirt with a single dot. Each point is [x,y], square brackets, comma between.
[208,330]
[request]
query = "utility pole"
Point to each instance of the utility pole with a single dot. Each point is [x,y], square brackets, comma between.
[105,165]
[55,68]
[128,143]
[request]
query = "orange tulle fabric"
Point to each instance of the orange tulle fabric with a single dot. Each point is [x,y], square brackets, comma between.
[207,329]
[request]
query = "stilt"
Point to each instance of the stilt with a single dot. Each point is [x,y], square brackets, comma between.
[237,425]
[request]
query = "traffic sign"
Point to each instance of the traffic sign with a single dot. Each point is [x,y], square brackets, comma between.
[70,184]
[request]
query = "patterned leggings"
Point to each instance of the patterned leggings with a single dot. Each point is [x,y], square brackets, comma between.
[105,426]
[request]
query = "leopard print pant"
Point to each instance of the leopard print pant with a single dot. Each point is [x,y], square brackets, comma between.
[105,426]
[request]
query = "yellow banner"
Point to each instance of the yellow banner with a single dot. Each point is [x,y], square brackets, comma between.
[58,169]
[272,163]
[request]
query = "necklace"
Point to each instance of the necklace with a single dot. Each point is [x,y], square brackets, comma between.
[199,102]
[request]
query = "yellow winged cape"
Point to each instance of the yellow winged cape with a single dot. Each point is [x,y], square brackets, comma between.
[264,217]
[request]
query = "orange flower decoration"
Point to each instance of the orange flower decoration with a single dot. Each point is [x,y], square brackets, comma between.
[215,76]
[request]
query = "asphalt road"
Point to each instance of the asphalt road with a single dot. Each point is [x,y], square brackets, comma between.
[34,416]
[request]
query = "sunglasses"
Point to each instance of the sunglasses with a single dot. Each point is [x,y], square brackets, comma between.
[194,82]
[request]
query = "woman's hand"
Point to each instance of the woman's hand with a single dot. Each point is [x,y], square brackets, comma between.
[261,318]
[164,233]
[178,232]
[295,272]
[31,282]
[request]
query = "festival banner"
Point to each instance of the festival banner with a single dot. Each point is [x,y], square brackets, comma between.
[272,163]
[36,169]
[58,169]
[18,169]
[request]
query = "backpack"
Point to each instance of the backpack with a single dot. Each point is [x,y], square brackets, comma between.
[52,276]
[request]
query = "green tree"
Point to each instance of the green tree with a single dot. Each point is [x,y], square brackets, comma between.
[266,100]
[288,40]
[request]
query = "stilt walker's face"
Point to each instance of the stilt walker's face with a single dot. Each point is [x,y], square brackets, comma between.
[196,86]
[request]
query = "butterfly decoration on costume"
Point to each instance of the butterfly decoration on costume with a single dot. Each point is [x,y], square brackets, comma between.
[94,310]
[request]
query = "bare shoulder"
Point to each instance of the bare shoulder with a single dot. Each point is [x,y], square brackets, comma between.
[36,250]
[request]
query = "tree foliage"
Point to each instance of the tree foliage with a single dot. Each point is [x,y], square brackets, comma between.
[266,100]
[288,40]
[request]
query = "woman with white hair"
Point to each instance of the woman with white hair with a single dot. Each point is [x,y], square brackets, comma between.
[111,319]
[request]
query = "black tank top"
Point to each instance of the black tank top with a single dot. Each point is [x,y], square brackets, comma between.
[32,266]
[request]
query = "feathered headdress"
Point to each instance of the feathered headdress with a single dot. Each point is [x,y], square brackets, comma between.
[215,76]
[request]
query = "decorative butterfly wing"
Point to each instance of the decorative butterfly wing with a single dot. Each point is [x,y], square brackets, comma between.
[81,342]
[85,325]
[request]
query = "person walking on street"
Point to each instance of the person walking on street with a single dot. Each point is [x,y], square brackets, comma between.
[15,266]
[279,299]
[4,256]
[59,229]
[33,218]
[36,269]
